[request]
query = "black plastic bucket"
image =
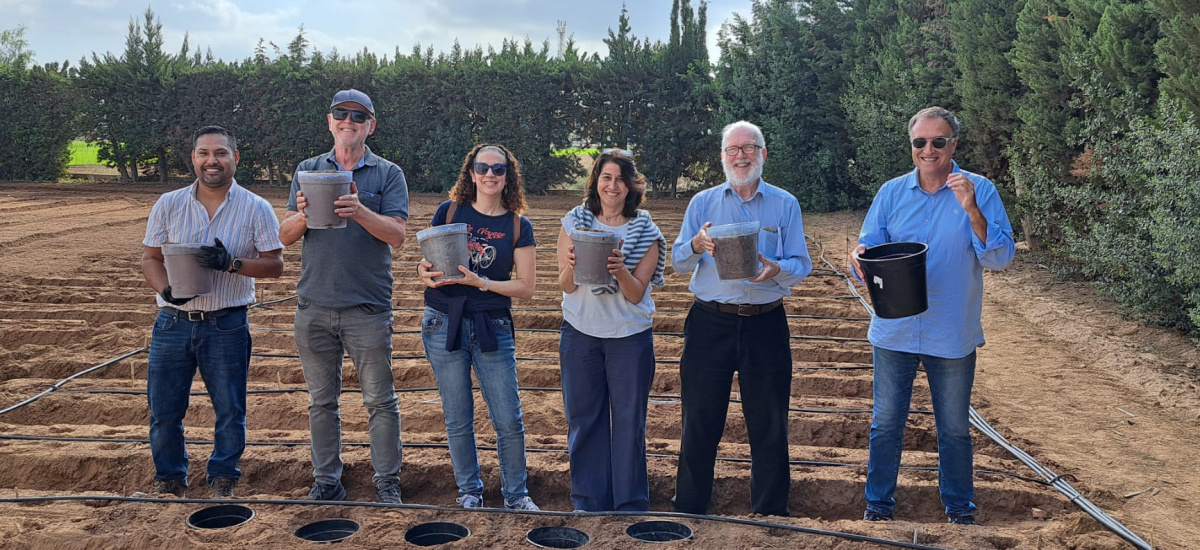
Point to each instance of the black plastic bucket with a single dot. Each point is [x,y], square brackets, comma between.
[659,531]
[328,530]
[435,533]
[895,277]
[557,537]
[220,516]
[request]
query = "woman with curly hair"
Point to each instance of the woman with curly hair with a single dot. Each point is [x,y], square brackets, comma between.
[468,321]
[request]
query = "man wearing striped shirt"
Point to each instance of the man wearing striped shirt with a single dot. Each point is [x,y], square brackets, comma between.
[208,332]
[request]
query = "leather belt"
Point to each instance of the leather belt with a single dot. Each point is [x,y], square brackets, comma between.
[744,310]
[200,316]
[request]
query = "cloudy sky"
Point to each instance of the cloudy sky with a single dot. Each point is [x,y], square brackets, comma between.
[59,30]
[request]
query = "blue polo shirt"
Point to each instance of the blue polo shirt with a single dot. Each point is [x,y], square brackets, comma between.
[902,211]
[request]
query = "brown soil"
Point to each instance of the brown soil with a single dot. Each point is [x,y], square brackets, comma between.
[1087,393]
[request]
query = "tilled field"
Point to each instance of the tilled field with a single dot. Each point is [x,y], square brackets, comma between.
[81,302]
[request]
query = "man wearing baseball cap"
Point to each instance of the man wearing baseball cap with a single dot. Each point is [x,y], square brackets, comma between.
[344,298]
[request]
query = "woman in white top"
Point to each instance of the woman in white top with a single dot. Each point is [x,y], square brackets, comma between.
[607,347]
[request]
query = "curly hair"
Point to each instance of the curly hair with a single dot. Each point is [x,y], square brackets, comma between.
[513,195]
[634,181]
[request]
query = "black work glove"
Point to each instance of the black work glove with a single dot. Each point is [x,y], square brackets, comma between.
[166,295]
[215,257]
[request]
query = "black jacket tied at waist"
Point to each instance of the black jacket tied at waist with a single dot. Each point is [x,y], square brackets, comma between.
[455,306]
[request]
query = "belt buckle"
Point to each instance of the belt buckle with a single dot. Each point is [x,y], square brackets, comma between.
[195,316]
[747,310]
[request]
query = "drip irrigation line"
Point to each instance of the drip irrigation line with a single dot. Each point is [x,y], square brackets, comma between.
[1059,483]
[540,450]
[484,511]
[64,381]
[665,398]
[1051,479]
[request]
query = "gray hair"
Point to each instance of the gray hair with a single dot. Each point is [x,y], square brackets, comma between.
[743,125]
[936,112]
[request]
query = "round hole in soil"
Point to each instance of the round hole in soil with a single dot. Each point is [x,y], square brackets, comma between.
[328,530]
[220,516]
[659,531]
[435,533]
[557,537]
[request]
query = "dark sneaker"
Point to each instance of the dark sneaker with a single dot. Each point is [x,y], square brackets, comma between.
[325,491]
[168,488]
[523,503]
[965,519]
[388,492]
[222,487]
[872,515]
[470,501]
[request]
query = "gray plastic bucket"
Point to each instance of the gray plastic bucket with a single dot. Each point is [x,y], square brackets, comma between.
[736,250]
[435,533]
[895,278]
[446,247]
[321,188]
[186,277]
[592,249]
[220,516]
[659,531]
[557,537]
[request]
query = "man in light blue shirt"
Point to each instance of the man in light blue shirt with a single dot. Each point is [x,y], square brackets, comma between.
[960,217]
[738,326]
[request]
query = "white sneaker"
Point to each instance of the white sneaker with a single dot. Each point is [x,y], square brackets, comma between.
[523,503]
[470,501]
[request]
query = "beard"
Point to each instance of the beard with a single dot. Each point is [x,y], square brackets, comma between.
[751,177]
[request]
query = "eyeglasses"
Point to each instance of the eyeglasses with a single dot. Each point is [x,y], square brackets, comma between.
[749,149]
[938,142]
[359,117]
[499,169]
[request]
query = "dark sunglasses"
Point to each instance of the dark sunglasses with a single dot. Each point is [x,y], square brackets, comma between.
[938,142]
[499,168]
[359,117]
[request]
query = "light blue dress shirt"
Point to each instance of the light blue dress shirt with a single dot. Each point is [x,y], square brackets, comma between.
[781,240]
[902,211]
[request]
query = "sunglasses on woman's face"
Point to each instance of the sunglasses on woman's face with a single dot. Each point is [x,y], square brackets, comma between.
[499,169]
[938,142]
[359,117]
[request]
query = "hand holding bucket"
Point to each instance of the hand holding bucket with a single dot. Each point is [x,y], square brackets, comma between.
[895,277]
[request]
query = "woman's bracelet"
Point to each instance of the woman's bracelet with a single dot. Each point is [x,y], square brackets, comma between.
[486,283]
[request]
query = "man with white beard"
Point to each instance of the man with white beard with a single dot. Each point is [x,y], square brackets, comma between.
[738,326]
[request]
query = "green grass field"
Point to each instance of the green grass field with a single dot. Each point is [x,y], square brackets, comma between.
[83,153]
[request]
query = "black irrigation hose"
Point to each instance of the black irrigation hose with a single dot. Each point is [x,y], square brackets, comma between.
[673,397]
[63,382]
[1056,481]
[734,459]
[551,513]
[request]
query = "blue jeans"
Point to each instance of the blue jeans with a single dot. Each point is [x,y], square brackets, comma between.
[606,384]
[497,374]
[364,332]
[950,382]
[220,349]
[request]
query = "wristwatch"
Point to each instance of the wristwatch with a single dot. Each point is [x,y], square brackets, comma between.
[235,265]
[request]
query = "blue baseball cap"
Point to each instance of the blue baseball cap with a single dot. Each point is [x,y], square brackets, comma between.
[346,96]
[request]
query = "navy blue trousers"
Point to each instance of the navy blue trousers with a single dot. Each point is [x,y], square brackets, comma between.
[606,385]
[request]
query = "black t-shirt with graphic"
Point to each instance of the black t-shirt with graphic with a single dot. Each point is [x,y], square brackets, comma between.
[490,242]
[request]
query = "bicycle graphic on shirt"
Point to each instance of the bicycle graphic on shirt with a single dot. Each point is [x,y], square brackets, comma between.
[482,254]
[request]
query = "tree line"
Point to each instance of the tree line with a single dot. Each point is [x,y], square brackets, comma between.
[1082,111]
